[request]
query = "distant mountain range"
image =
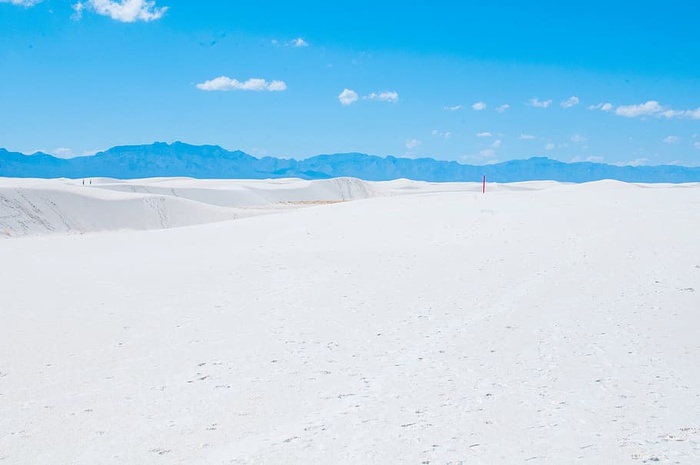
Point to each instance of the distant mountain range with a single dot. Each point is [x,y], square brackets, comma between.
[212,162]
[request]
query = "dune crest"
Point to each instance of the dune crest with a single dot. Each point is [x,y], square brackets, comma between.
[62,206]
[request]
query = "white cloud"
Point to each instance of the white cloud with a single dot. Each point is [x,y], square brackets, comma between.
[694,114]
[276,86]
[696,145]
[549,146]
[21,2]
[348,97]
[478,106]
[484,134]
[412,143]
[497,144]
[78,11]
[298,42]
[488,153]
[570,102]
[673,113]
[383,96]
[672,139]
[224,83]
[631,111]
[444,134]
[127,11]
[539,103]
[578,138]
[651,108]
[601,106]
[526,137]
[454,108]
[503,108]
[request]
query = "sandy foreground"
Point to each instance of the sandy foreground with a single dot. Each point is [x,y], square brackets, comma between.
[278,322]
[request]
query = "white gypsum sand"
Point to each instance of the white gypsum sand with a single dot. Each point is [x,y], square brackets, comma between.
[67,206]
[539,323]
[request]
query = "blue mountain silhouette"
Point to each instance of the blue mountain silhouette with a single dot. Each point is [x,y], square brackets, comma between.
[211,161]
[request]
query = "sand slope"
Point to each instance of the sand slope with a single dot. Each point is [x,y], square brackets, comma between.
[62,206]
[540,323]
[31,207]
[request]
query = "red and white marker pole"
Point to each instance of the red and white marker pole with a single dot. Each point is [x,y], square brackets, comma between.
[483,184]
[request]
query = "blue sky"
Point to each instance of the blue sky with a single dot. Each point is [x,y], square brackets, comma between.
[476,82]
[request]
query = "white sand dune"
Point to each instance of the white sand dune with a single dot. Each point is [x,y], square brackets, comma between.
[539,323]
[65,206]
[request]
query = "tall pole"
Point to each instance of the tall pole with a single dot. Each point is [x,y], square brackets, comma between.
[483,184]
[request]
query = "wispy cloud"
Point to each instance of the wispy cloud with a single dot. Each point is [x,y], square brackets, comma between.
[348,97]
[570,102]
[443,134]
[691,114]
[453,108]
[224,83]
[549,146]
[478,106]
[654,108]
[497,144]
[386,96]
[298,42]
[21,2]
[412,143]
[669,113]
[526,137]
[578,138]
[77,11]
[533,102]
[488,153]
[672,139]
[126,11]
[601,106]
[484,134]
[696,145]
[632,111]
[502,108]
